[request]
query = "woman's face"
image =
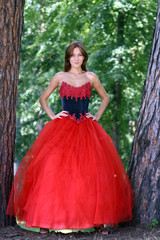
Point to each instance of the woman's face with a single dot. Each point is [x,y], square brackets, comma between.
[76,58]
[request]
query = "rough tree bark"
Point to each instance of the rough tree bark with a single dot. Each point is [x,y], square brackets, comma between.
[11,22]
[144,166]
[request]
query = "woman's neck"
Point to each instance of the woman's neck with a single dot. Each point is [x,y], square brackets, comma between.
[76,71]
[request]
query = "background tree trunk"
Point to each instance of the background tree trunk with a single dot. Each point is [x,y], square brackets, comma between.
[117,84]
[11,22]
[144,166]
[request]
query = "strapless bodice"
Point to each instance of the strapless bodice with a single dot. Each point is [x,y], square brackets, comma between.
[75,100]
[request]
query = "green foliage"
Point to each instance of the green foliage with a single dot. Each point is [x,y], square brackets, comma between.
[153,224]
[117,59]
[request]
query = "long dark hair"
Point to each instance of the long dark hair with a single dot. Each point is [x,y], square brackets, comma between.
[69,50]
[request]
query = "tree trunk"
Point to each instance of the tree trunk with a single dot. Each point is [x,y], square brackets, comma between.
[117,84]
[11,22]
[144,166]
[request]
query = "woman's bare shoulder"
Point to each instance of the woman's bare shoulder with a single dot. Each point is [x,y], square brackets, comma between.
[92,76]
[59,75]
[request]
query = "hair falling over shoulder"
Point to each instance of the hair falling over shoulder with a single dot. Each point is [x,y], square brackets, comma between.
[68,53]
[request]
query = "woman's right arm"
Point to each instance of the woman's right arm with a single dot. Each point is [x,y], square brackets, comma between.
[43,98]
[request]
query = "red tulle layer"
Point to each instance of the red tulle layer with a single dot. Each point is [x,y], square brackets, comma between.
[71,178]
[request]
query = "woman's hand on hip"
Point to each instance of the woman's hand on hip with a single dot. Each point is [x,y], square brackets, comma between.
[60,114]
[89,115]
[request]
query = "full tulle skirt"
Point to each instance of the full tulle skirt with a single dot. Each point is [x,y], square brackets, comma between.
[71,178]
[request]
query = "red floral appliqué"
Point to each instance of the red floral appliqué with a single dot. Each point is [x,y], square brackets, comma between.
[79,120]
[71,91]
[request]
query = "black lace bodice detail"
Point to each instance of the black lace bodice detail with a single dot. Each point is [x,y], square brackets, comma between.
[75,100]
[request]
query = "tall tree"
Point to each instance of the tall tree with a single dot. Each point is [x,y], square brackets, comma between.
[11,22]
[144,166]
[117,83]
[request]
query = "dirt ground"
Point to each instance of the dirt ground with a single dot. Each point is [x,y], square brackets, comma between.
[121,233]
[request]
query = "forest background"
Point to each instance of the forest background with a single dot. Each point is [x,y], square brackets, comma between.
[118,38]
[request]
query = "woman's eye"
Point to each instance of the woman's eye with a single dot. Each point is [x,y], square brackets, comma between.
[79,55]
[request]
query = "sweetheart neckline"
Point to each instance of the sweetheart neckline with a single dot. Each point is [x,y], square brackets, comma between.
[63,82]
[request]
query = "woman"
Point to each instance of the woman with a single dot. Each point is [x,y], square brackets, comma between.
[72,176]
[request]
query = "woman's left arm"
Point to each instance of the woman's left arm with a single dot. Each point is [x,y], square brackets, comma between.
[102,93]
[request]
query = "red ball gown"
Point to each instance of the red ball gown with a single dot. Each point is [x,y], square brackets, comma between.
[72,176]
